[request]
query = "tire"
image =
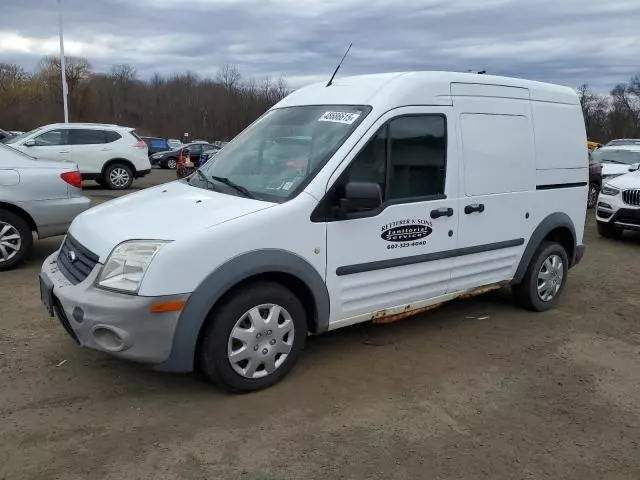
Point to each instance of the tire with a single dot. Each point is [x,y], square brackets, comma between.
[527,293]
[118,176]
[244,309]
[592,196]
[607,230]
[16,239]
[171,163]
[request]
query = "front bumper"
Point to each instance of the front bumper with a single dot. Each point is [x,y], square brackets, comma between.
[143,173]
[612,210]
[119,324]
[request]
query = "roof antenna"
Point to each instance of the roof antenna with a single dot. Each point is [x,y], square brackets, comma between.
[338,67]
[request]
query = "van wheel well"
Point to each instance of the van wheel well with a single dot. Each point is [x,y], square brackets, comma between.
[118,160]
[21,213]
[293,283]
[564,237]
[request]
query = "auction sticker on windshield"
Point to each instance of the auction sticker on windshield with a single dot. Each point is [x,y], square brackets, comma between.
[339,117]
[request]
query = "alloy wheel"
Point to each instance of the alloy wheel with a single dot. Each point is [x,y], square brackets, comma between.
[119,177]
[10,241]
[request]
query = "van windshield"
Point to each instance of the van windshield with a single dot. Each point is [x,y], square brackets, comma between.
[280,153]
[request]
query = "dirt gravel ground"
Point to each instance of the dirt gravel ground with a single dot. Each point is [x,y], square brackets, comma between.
[476,389]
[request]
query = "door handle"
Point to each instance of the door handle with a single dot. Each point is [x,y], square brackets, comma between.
[63,151]
[442,212]
[475,207]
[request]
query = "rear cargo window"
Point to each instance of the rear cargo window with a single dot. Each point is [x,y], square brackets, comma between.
[111,136]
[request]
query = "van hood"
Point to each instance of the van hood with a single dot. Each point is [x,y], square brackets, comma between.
[624,182]
[167,212]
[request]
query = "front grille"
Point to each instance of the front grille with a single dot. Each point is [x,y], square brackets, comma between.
[75,261]
[631,197]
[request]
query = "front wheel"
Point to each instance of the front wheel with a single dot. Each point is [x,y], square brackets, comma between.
[254,338]
[545,278]
[16,240]
[118,176]
[592,197]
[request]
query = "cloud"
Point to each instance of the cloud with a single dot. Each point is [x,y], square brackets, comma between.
[561,41]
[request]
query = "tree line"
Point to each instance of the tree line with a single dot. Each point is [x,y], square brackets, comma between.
[212,109]
[616,115]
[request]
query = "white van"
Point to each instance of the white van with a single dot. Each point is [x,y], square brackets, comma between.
[109,154]
[370,199]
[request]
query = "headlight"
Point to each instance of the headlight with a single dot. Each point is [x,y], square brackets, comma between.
[125,268]
[156,155]
[609,190]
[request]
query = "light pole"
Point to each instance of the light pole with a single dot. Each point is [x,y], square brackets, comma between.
[65,90]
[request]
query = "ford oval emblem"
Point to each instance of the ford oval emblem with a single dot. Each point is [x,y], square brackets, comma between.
[72,256]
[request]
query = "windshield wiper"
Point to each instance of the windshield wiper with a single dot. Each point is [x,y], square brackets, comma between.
[235,186]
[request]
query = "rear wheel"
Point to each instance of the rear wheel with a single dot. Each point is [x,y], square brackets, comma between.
[607,230]
[16,239]
[254,338]
[592,197]
[545,278]
[172,163]
[118,176]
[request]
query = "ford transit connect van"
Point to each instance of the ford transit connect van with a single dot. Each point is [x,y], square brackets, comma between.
[373,198]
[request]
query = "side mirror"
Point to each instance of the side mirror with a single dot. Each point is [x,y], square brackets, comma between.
[635,167]
[360,197]
[30,143]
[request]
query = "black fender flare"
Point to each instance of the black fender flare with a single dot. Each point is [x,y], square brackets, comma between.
[225,277]
[550,223]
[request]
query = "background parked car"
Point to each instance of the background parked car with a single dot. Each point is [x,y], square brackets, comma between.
[616,160]
[619,142]
[156,144]
[174,143]
[170,159]
[35,196]
[595,181]
[4,135]
[109,154]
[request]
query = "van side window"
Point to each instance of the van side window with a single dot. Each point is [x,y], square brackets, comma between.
[406,157]
[370,164]
[417,157]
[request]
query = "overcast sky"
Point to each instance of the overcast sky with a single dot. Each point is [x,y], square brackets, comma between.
[562,41]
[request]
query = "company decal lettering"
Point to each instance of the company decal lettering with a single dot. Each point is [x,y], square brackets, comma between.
[406,230]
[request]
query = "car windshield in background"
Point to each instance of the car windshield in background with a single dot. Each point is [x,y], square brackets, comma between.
[283,150]
[623,157]
[17,138]
[618,143]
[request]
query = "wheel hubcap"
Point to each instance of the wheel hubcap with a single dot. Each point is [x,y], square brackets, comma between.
[260,341]
[10,241]
[172,164]
[593,195]
[550,278]
[119,177]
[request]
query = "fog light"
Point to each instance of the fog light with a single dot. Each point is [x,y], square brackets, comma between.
[78,314]
[108,339]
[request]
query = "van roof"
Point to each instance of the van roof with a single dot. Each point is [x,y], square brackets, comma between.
[416,88]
